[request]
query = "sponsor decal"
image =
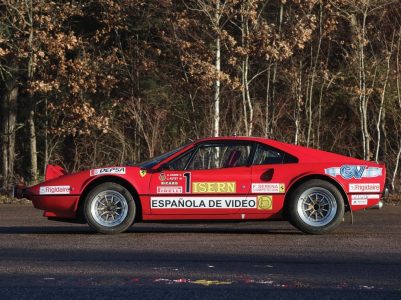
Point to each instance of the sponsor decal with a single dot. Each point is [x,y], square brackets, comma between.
[169,190]
[364,187]
[358,197]
[112,170]
[197,202]
[357,172]
[273,188]
[359,202]
[214,187]
[54,190]
[169,183]
[143,173]
[363,199]
[265,202]
[176,179]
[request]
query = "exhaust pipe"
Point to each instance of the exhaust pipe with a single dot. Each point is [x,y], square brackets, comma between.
[378,205]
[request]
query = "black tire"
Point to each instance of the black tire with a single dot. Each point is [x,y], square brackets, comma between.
[316,207]
[109,208]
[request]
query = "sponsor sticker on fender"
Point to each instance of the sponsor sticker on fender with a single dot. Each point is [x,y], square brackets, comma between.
[272,188]
[54,190]
[169,190]
[359,202]
[362,199]
[112,170]
[202,203]
[357,172]
[364,187]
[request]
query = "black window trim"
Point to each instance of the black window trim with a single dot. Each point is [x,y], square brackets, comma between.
[286,157]
[223,143]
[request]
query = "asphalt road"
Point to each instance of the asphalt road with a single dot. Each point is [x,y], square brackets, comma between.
[44,259]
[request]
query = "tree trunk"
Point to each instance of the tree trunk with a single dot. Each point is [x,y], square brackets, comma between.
[9,110]
[216,128]
[267,119]
[33,149]
[298,94]
[313,78]
[363,99]
[246,97]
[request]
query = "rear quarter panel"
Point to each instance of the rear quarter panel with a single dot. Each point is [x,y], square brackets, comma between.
[360,190]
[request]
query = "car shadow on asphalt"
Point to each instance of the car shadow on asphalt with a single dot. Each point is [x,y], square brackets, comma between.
[143,230]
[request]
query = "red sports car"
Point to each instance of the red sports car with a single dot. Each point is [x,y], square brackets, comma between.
[227,178]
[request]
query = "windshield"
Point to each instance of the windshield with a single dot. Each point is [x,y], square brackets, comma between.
[155,160]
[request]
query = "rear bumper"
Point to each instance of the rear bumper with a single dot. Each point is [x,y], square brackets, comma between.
[385,192]
[380,204]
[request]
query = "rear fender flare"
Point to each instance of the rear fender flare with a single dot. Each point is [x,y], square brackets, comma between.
[305,177]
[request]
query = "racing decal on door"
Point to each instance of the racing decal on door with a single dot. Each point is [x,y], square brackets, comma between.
[169,190]
[170,179]
[357,172]
[112,170]
[265,202]
[364,187]
[271,188]
[187,182]
[205,203]
[214,187]
[54,190]
[174,183]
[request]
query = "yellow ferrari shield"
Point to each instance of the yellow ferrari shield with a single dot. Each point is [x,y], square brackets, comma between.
[142,173]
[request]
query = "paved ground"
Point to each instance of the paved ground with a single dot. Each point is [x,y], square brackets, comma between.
[40,258]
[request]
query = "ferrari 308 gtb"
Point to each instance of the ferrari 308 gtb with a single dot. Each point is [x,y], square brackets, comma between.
[227,178]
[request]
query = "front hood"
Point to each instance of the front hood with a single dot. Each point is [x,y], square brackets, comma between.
[75,183]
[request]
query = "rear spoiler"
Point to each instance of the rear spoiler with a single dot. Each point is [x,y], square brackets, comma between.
[53,171]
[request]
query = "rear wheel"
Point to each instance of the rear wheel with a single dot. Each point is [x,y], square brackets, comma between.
[109,208]
[316,207]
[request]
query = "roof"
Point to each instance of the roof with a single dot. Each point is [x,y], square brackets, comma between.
[304,154]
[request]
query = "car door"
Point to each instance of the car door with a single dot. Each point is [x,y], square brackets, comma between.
[271,171]
[212,179]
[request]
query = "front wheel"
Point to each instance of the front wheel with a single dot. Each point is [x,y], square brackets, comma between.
[316,207]
[109,208]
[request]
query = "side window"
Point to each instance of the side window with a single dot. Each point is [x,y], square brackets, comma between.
[220,156]
[179,163]
[265,155]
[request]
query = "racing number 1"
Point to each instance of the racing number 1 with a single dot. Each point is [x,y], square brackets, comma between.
[187,182]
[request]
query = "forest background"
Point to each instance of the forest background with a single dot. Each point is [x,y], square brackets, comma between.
[104,82]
